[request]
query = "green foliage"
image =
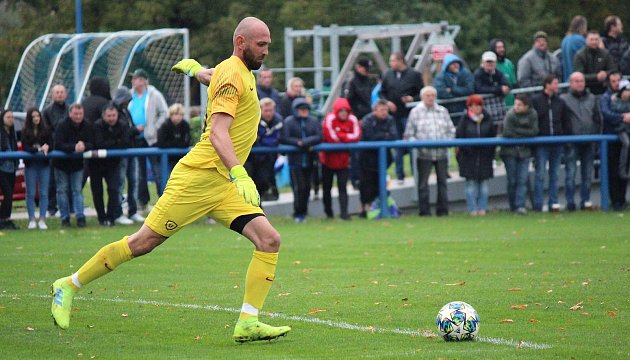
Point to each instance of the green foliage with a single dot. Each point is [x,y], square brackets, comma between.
[211,23]
[181,300]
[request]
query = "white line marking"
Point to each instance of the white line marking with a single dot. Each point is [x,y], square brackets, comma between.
[312,320]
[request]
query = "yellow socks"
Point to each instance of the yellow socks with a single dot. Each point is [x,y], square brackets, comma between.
[258,280]
[103,262]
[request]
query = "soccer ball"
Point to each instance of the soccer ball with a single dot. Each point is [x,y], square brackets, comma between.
[457,321]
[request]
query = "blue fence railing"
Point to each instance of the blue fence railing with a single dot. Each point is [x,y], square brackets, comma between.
[381,146]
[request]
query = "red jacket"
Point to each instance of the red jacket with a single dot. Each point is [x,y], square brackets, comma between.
[339,131]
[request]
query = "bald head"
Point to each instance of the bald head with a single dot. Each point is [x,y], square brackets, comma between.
[251,42]
[577,82]
[59,93]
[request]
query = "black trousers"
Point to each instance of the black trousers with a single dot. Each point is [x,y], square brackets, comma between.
[301,186]
[368,187]
[424,170]
[617,185]
[110,174]
[342,182]
[7,183]
[260,168]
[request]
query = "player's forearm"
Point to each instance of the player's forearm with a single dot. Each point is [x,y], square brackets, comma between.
[221,141]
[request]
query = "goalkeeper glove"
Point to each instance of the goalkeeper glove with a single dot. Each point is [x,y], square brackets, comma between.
[245,185]
[188,67]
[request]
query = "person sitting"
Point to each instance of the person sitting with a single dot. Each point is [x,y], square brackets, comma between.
[475,163]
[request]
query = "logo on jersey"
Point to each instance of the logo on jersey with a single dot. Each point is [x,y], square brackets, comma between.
[170,225]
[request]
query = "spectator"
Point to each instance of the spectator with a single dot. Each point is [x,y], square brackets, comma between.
[174,133]
[99,97]
[520,122]
[73,136]
[196,124]
[620,103]
[295,89]
[109,133]
[454,81]
[594,63]
[583,112]
[149,111]
[8,142]
[128,168]
[430,121]
[475,163]
[36,138]
[376,126]
[572,43]
[401,85]
[553,120]
[54,114]
[304,131]
[489,80]
[624,64]
[265,88]
[613,120]
[261,166]
[339,126]
[537,63]
[613,39]
[506,66]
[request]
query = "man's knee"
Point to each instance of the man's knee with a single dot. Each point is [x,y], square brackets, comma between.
[144,241]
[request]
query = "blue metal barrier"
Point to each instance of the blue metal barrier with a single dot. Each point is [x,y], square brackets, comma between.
[381,146]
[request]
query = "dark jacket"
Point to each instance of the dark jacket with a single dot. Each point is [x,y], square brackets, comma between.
[99,97]
[66,136]
[269,132]
[394,88]
[475,163]
[110,137]
[616,46]
[285,107]
[308,130]
[359,94]
[624,63]
[373,129]
[268,93]
[450,85]
[31,143]
[55,114]
[174,136]
[519,126]
[8,142]
[583,112]
[560,123]
[612,119]
[591,61]
[490,83]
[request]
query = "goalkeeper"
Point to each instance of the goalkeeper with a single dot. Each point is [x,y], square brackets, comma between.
[209,180]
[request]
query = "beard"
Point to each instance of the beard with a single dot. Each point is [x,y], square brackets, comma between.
[250,60]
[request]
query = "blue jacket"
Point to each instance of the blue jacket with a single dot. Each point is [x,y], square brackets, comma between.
[612,119]
[451,85]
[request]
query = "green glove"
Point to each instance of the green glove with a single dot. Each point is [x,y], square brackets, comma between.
[245,185]
[188,67]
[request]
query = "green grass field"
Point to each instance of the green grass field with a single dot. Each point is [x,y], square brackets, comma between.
[359,289]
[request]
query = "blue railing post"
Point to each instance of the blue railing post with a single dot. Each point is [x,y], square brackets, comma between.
[382,180]
[603,174]
[164,170]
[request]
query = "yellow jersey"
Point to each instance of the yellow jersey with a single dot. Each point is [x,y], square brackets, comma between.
[232,91]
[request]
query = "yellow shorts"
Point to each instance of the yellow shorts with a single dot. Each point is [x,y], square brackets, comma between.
[192,193]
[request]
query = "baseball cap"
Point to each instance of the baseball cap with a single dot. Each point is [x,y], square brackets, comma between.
[139,72]
[540,34]
[489,56]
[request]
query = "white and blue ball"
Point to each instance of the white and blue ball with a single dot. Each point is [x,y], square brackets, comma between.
[457,321]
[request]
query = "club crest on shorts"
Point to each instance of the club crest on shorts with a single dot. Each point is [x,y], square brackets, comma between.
[170,225]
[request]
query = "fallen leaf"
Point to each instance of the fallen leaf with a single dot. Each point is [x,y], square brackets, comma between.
[577,306]
[585,283]
[520,344]
[549,291]
[297,262]
[507,321]
[90,326]
[237,286]
[197,337]
[534,320]
[392,285]
[307,271]
[612,313]
[519,307]
[462,283]
[284,294]
[561,302]
[315,311]
[514,289]
[124,315]
[377,303]
[404,299]
[28,328]
[226,326]
[585,314]
[375,282]
[530,263]
[538,304]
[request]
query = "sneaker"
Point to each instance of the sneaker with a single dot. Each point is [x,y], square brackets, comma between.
[10,225]
[587,206]
[105,223]
[32,225]
[62,293]
[123,220]
[555,208]
[65,223]
[137,217]
[42,225]
[521,211]
[254,330]
[299,219]
[81,222]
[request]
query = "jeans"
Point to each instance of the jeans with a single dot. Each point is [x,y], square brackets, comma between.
[441,171]
[585,154]
[342,183]
[69,182]
[476,195]
[128,170]
[517,171]
[37,178]
[551,154]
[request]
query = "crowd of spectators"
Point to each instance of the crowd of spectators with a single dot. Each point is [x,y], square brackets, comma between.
[478,102]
